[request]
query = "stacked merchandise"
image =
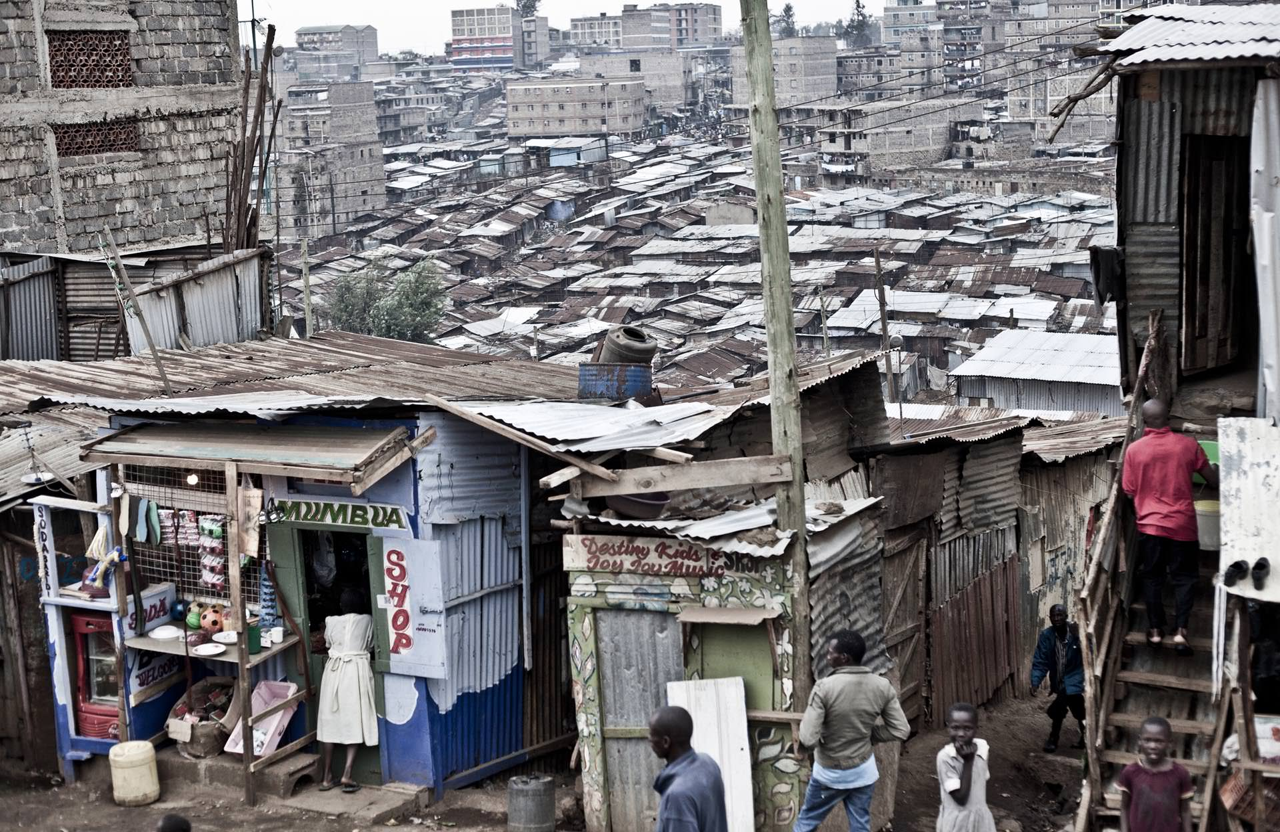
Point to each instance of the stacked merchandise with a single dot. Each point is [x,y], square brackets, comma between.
[268,615]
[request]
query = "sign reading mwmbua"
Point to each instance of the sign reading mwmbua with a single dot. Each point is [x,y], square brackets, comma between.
[372,515]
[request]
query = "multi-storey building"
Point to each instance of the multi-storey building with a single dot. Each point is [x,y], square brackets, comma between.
[870,73]
[668,74]
[553,107]
[604,30]
[361,41]
[693,24]
[486,39]
[115,113]
[330,160]
[536,41]
[647,28]
[804,69]
[407,111]
[904,18]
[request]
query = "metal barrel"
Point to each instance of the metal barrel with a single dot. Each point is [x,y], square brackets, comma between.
[531,804]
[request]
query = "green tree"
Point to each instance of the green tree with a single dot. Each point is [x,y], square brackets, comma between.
[856,32]
[406,305]
[528,8]
[785,23]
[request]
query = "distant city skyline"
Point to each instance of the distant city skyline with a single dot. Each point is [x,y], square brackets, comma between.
[424,27]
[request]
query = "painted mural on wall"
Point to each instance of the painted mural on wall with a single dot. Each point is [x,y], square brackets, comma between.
[662,575]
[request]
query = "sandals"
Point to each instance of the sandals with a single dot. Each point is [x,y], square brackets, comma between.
[327,787]
[1154,637]
[350,788]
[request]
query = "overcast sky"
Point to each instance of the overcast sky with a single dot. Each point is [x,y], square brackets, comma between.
[424,25]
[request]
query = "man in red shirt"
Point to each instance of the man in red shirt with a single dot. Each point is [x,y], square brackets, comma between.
[1157,475]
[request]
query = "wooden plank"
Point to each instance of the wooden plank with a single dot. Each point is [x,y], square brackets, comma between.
[718,473]
[279,754]
[301,695]
[1180,726]
[1163,680]
[1140,639]
[71,505]
[1124,758]
[1215,754]
[667,454]
[719,710]
[558,478]
[788,717]
[494,426]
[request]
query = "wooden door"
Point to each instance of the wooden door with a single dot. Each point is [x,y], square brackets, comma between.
[903,599]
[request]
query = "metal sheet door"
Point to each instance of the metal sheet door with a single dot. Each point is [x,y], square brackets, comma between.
[639,653]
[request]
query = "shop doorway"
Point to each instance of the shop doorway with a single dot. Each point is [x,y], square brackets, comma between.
[333,563]
[314,566]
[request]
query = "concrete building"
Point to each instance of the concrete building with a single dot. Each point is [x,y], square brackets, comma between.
[486,39]
[904,18]
[360,40]
[804,70]
[605,30]
[328,66]
[693,24]
[859,140]
[330,160]
[669,75]
[870,73]
[406,111]
[551,107]
[647,28]
[536,42]
[118,114]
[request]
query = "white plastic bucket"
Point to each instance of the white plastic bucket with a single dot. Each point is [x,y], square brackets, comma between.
[134,781]
[1208,524]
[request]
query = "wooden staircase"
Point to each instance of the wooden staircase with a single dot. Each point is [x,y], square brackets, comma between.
[1140,680]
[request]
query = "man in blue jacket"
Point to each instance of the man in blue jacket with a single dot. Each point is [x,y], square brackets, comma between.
[1058,657]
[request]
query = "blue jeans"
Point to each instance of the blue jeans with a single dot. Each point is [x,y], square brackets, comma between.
[819,800]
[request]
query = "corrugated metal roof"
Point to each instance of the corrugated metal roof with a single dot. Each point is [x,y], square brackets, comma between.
[1047,356]
[56,437]
[336,365]
[1059,442]
[336,448]
[751,530]
[589,428]
[1199,33]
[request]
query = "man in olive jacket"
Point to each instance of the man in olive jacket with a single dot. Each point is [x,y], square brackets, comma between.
[849,711]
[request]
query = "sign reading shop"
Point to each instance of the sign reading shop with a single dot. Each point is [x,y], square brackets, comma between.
[372,515]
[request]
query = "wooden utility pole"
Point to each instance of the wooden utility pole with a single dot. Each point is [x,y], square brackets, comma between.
[306,288]
[775,267]
[129,302]
[884,332]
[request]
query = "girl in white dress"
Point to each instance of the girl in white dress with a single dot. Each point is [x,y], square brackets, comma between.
[346,714]
[962,775]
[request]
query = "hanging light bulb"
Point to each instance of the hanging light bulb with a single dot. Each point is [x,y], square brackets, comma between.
[193,478]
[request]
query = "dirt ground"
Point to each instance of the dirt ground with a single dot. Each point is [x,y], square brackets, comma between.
[1029,791]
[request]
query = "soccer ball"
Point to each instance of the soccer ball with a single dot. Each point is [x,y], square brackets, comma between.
[211,619]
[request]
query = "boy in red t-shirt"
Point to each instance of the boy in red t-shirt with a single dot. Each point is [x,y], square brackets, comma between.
[1155,792]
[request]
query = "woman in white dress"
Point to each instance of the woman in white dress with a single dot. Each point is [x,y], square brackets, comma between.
[346,711]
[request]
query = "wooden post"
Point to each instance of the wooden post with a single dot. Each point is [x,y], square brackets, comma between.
[826,340]
[306,289]
[116,264]
[775,268]
[884,332]
[240,622]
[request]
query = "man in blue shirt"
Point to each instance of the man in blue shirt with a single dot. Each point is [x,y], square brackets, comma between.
[690,788]
[850,710]
[1058,657]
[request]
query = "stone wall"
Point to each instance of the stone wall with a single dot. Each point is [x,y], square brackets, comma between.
[115,112]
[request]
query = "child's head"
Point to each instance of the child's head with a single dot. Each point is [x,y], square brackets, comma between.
[173,823]
[962,722]
[1154,739]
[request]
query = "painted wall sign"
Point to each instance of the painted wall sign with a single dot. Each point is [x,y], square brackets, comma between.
[414,603]
[157,604]
[398,614]
[650,556]
[152,668]
[343,514]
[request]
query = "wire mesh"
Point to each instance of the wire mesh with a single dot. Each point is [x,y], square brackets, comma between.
[191,550]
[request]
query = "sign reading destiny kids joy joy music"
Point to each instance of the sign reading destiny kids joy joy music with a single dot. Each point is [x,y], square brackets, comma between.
[642,555]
